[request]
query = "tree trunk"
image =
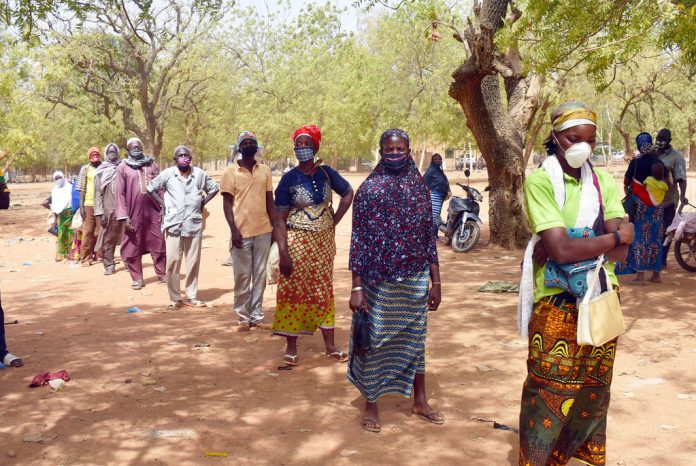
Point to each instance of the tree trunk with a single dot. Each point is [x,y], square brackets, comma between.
[626,136]
[498,126]
[501,145]
[536,129]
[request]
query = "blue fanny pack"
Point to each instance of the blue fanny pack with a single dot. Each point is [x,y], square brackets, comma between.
[571,277]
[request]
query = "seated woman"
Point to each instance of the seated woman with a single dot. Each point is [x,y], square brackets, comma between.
[645,181]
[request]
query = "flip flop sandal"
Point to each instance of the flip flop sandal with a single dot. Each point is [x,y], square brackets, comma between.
[173,305]
[10,360]
[291,360]
[370,426]
[432,417]
[137,285]
[338,356]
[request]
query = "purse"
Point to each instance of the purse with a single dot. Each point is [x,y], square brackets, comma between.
[600,318]
[361,333]
[361,337]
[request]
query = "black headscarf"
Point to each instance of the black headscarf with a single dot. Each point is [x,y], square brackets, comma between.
[436,179]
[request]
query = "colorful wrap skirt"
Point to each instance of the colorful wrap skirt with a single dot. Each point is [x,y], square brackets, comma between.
[566,395]
[436,201]
[65,234]
[305,301]
[645,252]
[397,313]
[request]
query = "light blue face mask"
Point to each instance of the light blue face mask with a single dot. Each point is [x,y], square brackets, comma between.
[304,154]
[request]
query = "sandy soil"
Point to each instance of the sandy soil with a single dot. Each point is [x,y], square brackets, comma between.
[231,398]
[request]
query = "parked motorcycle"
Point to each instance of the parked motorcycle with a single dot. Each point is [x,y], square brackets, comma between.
[462,229]
[684,228]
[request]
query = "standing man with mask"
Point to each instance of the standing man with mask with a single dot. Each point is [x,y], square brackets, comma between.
[247,191]
[139,214]
[111,229]
[187,190]
[85,186]
[675,163]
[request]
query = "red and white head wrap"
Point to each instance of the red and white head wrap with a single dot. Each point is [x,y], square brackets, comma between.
[312,131]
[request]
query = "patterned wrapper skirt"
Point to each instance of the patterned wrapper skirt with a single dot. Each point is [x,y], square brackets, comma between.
[305,301]
[65,234]
[436,201]
[397,313]
[566,395]
[645,253]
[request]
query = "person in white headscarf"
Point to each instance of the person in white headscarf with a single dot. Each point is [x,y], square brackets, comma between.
[105,206]
[61,206]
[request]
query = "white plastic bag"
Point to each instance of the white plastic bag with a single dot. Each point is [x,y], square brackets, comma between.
[273,265]
[76,221]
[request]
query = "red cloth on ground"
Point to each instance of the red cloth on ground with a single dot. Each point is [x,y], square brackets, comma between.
[42,379]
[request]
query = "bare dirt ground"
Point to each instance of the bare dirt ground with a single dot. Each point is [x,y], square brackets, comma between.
[230,397]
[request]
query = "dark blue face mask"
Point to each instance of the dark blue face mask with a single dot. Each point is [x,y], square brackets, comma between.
[395,161]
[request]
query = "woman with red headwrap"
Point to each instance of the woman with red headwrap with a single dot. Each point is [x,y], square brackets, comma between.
[305,231]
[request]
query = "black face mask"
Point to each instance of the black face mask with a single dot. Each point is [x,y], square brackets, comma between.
[136,154]
[96,164]
[249,151]
[183,168]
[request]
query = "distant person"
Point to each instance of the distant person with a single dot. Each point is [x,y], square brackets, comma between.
[60,204]
[139,214]
[438,184]
[77,231]
[247,201]
[4,190]
[676,166]
[305,226]
[396,280]
[90,226]
[111,230]
[8,359]
[644,179]
[187,189]
[565,397]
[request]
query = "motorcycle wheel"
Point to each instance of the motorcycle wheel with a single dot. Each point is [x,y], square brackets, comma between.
[465,238]
[685,253]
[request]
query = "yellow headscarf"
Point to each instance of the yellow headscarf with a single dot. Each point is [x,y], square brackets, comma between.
[571,114]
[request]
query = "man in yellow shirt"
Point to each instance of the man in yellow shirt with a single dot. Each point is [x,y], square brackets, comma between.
[85,186]
[247,192]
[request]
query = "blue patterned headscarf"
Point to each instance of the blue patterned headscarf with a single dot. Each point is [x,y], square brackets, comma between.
[644,142]
[394,132]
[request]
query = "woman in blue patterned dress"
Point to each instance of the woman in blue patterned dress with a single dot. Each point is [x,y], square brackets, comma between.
[392,257]
[305,228]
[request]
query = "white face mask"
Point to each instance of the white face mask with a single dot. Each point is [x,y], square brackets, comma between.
[577,154]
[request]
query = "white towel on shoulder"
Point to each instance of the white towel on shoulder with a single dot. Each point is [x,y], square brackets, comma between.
[589,210]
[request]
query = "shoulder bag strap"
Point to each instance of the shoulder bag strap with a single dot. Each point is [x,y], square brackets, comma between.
[593,281]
